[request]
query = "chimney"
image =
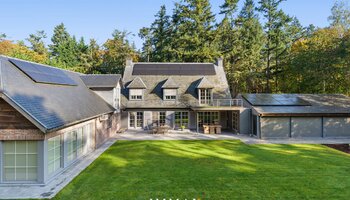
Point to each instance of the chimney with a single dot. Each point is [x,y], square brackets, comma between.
[129,62]
[220,62]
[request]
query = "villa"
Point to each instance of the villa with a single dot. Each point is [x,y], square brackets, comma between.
[50,118]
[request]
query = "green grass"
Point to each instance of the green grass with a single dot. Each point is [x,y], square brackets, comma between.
[213,170]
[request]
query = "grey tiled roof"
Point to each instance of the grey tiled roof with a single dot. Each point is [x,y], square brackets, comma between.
[50,106]
[318,104]
[101,80]
[170,83]
[137,83]
[177,69]
[187,91]
[204,83]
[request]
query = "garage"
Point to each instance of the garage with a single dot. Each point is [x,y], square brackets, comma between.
[281,116]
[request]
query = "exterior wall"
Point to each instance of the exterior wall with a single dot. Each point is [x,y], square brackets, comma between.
[105,128]
[10,118]
[245,121]
[275,127]
[336,127]
[306,127]
[106,94]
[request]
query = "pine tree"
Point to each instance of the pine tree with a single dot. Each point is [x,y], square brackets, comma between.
[147,49]
[193,39]
[161,35]
[251,41]
[276,20]
[36,42]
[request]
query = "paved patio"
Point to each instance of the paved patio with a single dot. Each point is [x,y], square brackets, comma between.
[180,135]
[58,183]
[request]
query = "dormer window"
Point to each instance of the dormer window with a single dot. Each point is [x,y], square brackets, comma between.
[169,94]
[136,89]
[170,90]
[205,96]
[136,94]
[205,91]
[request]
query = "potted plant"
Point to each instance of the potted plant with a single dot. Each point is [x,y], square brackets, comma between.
[182,128]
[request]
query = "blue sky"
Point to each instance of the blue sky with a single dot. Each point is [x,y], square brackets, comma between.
[97,19]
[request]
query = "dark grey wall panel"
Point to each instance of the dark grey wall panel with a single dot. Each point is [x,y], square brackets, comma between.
[275,127]
[336,126]
[306,127]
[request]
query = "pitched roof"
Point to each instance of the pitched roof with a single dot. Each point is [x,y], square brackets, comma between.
[187,91]
[204,83]
[101,80]
[301,104]
[50,106]
[170,83]
[137,83]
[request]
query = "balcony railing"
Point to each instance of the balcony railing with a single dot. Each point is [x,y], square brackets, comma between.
[220,103]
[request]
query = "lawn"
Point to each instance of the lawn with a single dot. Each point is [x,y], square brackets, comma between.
[213,170]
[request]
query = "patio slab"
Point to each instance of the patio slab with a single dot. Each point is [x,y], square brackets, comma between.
[179,135]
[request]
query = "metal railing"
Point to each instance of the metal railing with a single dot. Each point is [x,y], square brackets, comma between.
[220,103]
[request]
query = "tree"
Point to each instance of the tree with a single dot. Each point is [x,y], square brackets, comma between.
[161,34]
[36,42]
[147,50]
[193,32]
[2,36]
[340,16]
[276,20]
[249,71]
[116,51]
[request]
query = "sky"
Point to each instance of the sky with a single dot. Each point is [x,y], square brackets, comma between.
[99,18]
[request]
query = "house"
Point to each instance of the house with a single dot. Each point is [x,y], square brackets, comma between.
[49,118]
[299,115]
[179,95]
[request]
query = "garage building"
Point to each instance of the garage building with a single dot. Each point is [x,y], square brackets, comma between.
[299,115]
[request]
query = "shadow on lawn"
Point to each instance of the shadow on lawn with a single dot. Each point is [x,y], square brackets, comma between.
[212,170]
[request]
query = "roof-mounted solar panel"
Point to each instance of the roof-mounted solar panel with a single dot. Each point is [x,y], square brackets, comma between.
[43,74]
[174,69]
[275,100]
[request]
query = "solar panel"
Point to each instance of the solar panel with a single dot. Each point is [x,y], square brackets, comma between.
[180,69]
[43,74]
[275,100]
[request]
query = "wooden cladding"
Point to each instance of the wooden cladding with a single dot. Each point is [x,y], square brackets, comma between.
[12,119]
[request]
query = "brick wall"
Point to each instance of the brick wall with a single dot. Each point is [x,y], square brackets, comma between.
[105,128]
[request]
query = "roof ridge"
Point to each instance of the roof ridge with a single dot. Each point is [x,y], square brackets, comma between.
[173,63]
[45,65]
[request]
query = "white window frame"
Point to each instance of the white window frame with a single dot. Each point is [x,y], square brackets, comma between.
[169,94]
[15,167]
[57,145]
[134,117]
[136,96]
[207,98]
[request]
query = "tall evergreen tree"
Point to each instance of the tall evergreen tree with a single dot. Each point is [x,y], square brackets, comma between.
[161,35]
[36,42]
[251,41]
[276,20]
[147,49]
[194,35]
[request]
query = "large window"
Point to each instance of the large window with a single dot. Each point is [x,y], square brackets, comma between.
[20,160]
[136,94]
[75,144]
[208,118]
[54,154]
[205,96]
[162,117]
[135,119]
[181,119]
